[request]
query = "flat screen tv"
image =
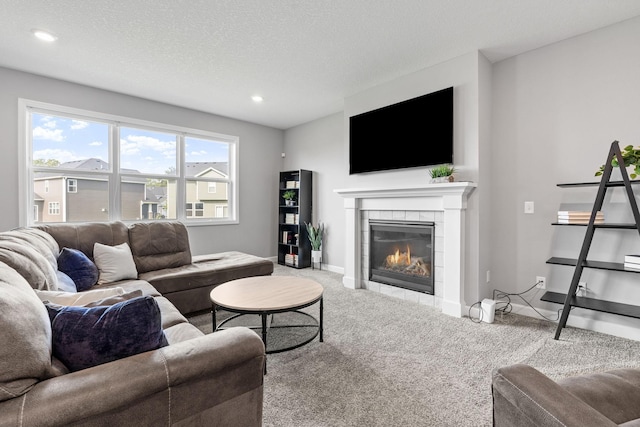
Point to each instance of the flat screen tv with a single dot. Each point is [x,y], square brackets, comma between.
[413,133]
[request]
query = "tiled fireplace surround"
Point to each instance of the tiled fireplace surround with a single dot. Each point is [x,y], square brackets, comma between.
[444,204]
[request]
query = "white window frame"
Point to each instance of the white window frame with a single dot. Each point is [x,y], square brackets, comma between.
[54,208]
[26,167]
[211,187]
[193,207]
[72,185]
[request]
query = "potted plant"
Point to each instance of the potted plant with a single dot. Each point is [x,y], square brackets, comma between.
[442,173]
[314,233]
[631,159]
[289,197]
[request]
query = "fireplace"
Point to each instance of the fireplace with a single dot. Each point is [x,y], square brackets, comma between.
[401,254]
[445,204]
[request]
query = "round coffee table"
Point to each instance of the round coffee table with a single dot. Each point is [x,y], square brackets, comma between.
[269,295]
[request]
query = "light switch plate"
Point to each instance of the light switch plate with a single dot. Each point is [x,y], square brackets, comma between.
[528,207]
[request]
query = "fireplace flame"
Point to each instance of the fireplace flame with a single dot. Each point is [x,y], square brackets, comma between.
[401,261]
[399,258]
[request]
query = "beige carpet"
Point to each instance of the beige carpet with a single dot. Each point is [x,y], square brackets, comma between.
[388,362]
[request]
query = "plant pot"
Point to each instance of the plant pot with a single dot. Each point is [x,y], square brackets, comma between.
[288,202]
[442,179]
[316,256]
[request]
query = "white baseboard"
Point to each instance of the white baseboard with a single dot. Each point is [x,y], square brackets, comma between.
[326,267]
[616,326]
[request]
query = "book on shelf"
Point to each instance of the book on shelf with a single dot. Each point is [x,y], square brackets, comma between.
[579,217]
[586,215]
[289,238]
[631,266]
[578,214]
[579,221]
[292,184]
[632,259]
[291,218]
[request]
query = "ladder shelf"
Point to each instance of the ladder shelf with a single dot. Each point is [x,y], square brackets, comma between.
[571,299]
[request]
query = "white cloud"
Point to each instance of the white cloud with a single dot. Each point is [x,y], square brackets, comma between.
[51,153]
[48,134]
[128,149]
[151,143]
[95,143]
[198,153]
[78,124]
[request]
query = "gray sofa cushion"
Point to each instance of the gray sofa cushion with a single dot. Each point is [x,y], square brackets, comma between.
[25,336]
[83,236]
[615,393]
[158,245]
[188,287]
[38,240]
[30,263]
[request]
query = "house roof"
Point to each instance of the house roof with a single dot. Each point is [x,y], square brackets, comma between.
[198,168]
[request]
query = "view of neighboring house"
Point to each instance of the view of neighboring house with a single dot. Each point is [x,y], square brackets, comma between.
[65,197]
[205,198]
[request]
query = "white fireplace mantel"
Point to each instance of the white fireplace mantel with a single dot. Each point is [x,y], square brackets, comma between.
[450,198]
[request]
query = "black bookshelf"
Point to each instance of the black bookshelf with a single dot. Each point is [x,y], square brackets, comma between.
[294,248]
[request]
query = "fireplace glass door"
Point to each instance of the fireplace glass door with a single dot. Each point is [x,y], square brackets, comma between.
[401,254]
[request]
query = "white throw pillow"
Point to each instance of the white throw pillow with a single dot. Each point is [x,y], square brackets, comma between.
[114,262]
[78,298]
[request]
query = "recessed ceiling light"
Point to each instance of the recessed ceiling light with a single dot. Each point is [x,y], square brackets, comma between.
[257,98]
[44,35]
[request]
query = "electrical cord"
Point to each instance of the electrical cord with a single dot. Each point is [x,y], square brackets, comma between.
[506,306]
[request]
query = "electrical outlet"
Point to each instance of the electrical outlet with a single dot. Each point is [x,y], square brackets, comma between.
[488,276]
[541,282]
[582,288]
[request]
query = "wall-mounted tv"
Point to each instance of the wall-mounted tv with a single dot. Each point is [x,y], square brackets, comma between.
[413,133]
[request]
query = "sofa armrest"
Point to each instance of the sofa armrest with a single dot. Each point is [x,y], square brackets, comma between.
[523,396]
[208,376]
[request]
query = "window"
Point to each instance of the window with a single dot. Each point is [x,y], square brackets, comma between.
[72,185]
[54,208]
[195,210]
[124,169]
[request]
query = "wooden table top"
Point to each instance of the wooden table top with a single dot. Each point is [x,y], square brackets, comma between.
[266,293]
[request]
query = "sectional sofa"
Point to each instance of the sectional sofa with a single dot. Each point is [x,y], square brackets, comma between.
[176,376]
[525,397]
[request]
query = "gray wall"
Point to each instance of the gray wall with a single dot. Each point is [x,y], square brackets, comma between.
[259,154]
[322,146]
[556,111]
[528,123]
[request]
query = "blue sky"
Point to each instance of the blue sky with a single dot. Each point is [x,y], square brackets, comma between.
[65,139]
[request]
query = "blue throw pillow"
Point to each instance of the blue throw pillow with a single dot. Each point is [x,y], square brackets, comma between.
[89,336]
[79,267]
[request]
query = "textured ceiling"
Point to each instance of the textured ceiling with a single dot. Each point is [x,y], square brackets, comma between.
[304,57]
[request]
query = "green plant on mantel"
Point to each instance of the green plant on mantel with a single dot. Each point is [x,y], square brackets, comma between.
[631,159]
[441,171]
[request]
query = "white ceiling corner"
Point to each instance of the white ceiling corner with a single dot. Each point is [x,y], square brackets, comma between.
[304,57]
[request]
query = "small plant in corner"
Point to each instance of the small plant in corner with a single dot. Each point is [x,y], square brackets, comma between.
[315,235]
[631,159]
[441,171]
